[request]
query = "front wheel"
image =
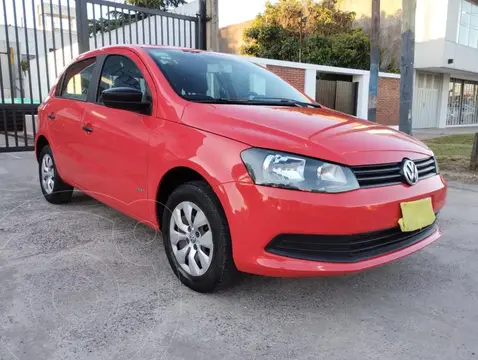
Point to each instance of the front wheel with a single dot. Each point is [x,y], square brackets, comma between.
[196,238]
[54,189]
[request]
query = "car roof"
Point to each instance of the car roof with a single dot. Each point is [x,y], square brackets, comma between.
[101,50]
[137,48]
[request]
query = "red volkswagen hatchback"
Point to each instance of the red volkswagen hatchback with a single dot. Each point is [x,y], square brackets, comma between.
[239,170]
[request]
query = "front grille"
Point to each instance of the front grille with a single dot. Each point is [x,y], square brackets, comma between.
[345,248]
[390,174]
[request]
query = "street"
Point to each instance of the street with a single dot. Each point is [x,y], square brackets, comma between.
[82,281]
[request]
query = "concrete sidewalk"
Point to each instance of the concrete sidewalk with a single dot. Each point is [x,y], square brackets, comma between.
[431,133]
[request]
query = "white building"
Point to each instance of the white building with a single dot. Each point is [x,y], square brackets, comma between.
[31,46]
[447,47]
[60,16]
[48,52]
[446,56]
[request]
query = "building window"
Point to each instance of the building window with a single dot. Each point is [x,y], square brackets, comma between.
[468,25]
[462,103]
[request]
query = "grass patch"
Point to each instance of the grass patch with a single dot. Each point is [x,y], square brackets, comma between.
[453,152]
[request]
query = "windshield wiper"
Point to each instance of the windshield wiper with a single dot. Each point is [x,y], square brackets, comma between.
[285,100]
[244,102]
[258,101]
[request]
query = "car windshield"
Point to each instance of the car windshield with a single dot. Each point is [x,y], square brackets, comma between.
[216,78]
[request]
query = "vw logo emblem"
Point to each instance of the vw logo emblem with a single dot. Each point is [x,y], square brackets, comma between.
[410,172]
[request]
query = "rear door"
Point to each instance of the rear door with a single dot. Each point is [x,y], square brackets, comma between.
[65,113]
[117,143]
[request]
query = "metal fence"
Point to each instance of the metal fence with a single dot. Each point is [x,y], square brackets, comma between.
[39,38]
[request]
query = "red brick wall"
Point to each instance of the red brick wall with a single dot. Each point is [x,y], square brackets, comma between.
[388,101]
[296,77]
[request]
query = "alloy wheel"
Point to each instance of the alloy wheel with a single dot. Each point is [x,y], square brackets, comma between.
[48,174]
[191,238]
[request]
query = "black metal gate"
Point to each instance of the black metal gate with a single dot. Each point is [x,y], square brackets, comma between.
[39,38]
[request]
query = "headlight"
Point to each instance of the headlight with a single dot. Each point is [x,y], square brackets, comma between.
[289,171]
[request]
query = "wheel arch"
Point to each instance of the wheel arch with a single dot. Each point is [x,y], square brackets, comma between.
[41,142]
[171,180]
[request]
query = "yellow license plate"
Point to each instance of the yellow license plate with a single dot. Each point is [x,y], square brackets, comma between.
[416,215]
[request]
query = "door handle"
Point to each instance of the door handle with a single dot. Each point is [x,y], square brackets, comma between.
[51,116]
[87,129]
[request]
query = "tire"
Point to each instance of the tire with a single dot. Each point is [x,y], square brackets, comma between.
[221,270]
[57,191]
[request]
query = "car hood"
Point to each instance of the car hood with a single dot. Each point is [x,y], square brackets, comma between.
[320,133]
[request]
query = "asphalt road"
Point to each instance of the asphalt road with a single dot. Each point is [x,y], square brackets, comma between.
[82,281]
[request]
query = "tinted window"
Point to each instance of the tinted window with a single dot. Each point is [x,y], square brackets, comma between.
[202,75]
[77,80]
[120,71]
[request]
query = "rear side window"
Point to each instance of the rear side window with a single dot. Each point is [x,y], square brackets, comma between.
[77,80]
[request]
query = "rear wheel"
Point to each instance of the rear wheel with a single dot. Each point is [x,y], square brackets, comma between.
[54,189]
[196,238]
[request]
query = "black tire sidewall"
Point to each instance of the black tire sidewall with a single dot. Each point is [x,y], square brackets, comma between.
[205,199]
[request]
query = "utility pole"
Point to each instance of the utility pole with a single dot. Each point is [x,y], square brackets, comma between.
[212,27]
[374,61]
[407,56]
[202,17]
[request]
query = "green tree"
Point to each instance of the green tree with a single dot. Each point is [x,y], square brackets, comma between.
[318,30]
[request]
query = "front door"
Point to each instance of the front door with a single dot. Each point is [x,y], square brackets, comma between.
[118,140]
[426,99]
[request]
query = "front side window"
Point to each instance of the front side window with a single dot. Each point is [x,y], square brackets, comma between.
[121,71]
[201,76]
[468,24]
[77,80]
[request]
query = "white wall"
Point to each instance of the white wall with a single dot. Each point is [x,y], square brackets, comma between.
[362,94]
[43,40]
[310,83]
[170,32]
[436,53]
[154,30]
[43,75]
[429,54]
[464,58]
[452,20]
[360,76]
[190,9]
[182,33]
[430,33]
[431,16]
[442,113]
[436,38]
[182,37]
[55,68]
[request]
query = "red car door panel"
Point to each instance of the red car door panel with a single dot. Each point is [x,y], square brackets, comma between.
[117,154]
[65,135]
[65,116]
[117,141]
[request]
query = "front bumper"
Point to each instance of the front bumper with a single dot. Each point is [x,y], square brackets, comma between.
[258,214]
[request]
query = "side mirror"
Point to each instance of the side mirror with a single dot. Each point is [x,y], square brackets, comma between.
[125,98]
